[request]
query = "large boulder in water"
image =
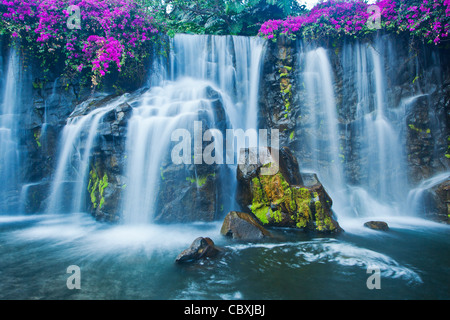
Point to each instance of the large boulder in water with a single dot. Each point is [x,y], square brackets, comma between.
[272,189]
[242,226]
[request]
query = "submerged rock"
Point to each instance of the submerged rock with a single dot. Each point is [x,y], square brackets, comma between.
[201,248]
[243,226]
[377,225]
[281,199]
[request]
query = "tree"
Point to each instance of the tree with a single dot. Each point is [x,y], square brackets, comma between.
[237,17]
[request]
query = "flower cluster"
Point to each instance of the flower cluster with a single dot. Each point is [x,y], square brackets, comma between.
[108,32]
[429,19]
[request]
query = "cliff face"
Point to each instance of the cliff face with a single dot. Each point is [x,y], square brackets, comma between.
[415,77]
[386,93]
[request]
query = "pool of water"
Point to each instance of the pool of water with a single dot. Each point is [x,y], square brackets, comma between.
[137,262]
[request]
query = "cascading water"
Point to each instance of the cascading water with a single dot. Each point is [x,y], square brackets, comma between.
[9,154]
[377,131]
[162,111]
[417,196]
[228,66]
[382,157]
[232,63]
[78,138]
[321,107]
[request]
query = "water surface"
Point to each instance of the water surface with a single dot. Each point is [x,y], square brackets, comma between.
[137,262]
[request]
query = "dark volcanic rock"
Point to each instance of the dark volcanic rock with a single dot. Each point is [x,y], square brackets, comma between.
[377,225]
[243,226]
[201,248]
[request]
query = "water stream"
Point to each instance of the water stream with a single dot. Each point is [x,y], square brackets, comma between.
[9,136]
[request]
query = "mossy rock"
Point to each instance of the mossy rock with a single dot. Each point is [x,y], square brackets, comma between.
[277,202]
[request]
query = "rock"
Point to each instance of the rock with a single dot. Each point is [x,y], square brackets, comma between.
[201,248]
[106,184]
[194,192]
[242,226]
[377,225]
[443,201]
[281,199]
[436,202]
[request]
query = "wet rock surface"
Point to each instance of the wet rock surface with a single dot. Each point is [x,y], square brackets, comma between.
[243,226]
[200,248]
[377,225]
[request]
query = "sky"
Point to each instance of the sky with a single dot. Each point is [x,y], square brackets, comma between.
[309,3]
[312,3]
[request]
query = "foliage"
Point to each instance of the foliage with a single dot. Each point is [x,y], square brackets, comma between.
[106,33]
[428,19]
[238,17]
[113,36]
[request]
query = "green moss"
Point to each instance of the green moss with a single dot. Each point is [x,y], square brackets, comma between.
[301,223]
[269,191]
[256,190]
[261,211]
[291,136]
[37,85]
[323,222]
[259,205]
[319,216]
[201,180]
[302,200]
[413,127]
[276,215]
[96,188]
[37,137]
[302,206]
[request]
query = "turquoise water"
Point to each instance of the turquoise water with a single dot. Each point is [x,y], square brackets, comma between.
[137,262]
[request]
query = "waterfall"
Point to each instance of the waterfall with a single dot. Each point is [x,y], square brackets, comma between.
[210,79]
[226,67]
[176,105]
[232,63]
[416,197]
[323,132]
[381,156]
[9,117]
[374,135]
[78,138]
[319,85]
